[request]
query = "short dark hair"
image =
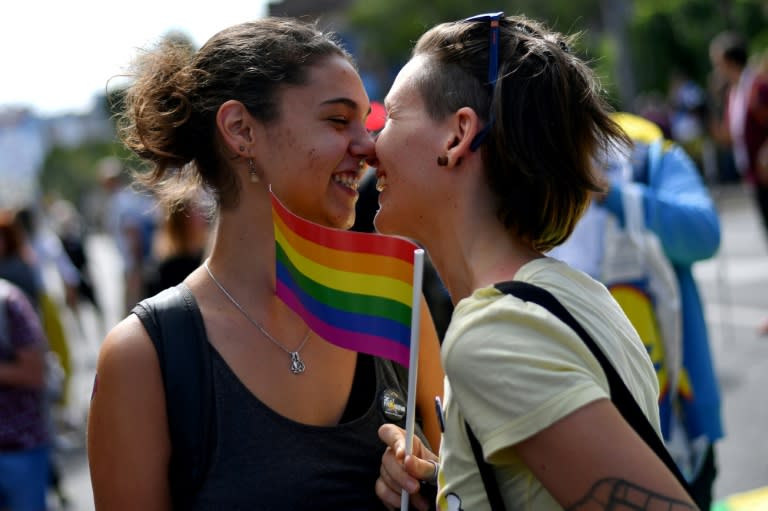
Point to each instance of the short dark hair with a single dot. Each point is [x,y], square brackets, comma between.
[169,117]
[551,119]
[732,47]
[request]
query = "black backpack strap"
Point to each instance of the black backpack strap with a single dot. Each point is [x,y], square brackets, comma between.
[175,325]
[620,395]
[486,473]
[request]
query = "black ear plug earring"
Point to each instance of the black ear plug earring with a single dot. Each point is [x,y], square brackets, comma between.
[442,160]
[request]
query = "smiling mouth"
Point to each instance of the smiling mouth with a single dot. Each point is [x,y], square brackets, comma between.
[350,181]
[381,182]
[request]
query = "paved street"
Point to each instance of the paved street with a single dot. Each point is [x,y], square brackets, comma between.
[735,289]
[85,341]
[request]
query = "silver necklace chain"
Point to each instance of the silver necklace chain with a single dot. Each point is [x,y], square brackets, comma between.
[297,364]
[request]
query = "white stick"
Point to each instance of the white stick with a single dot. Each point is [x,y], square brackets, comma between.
[413,363]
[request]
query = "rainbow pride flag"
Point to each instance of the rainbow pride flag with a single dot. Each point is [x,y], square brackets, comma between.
[355,290]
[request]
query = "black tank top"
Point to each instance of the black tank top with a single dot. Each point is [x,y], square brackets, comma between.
[260,460]
[264,461]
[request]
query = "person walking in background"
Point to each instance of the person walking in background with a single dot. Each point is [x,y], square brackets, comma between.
[745,123]
[130,219]
[24,417]
[20,265]
[498,122]
[272,105]
[179,245]
[14,266]
[680,212]
[68,224]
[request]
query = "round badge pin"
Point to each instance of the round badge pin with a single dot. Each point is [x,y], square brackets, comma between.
[392,405]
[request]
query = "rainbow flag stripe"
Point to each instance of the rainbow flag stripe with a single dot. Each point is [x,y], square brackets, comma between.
[355,290]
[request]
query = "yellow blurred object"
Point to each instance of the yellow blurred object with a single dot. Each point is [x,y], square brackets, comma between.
[638,128]
[752,500]
[57,339]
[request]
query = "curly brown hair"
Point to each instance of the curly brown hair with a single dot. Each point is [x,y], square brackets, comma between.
[169,115]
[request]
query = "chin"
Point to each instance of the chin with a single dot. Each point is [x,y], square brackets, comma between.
[386,224]
[341,221]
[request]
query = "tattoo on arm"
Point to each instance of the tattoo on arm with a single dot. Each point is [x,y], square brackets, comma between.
[621,495]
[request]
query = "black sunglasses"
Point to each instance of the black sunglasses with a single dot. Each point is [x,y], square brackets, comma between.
[493,66]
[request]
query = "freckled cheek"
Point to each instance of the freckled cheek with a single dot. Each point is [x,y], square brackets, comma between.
[312,157]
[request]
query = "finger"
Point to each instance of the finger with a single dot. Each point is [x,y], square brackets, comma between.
[394,437]
[421,469]
[394,474]
[388,466]
[387,495]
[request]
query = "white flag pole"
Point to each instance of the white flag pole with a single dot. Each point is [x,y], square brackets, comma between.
[413,363]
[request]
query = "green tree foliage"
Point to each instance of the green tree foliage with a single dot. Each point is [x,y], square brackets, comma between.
[661,35]
[669,35]
[70,173]
[389,28]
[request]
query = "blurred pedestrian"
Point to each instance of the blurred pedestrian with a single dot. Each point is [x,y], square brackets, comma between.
[131,220]
[745,123]
[179,245]
[69,226]
[15,266]
[24,419]
[679,211]
[688,115]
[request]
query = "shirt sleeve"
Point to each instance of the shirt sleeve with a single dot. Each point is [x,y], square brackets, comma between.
[678,208]
[517,371]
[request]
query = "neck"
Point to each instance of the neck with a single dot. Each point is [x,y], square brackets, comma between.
[476,256]
[242,255]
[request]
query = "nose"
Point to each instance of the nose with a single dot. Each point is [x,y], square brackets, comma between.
[363,145]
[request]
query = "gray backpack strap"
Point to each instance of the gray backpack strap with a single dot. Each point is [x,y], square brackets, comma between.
[175,325]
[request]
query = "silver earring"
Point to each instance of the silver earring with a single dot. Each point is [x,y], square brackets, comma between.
[252,171]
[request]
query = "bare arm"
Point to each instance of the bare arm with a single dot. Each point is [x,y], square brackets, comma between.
[26,370]
[128,444]
[593,460]
[430,377]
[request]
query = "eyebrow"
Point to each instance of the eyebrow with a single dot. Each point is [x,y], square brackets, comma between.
[343,101]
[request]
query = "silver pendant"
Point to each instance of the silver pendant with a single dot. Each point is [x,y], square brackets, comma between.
[297,365]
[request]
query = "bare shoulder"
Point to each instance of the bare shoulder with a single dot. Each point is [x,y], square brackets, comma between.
[128,443]
[128,370]
[127,347]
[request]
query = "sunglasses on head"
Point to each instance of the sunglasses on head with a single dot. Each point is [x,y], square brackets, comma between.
[493,65]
